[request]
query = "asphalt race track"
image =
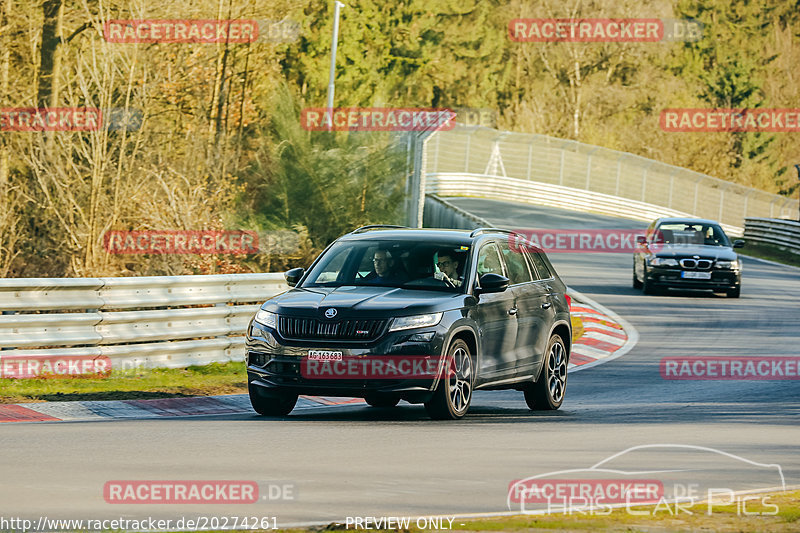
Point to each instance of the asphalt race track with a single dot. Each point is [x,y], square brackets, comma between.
[360,461]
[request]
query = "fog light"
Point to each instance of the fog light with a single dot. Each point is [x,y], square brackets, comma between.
[422,337]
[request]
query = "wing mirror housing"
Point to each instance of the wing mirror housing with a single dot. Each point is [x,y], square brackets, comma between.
[738,243]
[641,239]
[491,282]
[293,276]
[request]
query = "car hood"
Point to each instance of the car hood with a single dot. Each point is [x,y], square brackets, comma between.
[683,250]
[350,301]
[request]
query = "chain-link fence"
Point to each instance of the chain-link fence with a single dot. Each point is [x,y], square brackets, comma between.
[539,158]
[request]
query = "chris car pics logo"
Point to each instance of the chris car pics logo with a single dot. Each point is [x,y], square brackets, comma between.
[653,479]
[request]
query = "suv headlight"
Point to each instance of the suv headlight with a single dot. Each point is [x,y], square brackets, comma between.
[728,264]
[265,318]
[663,261]
[416,321]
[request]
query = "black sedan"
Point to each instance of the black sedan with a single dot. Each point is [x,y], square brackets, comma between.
[687,253]
[424,316]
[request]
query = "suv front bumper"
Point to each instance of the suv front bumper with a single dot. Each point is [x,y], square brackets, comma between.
[274,364]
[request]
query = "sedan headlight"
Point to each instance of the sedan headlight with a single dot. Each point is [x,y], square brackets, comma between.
[728,264]
[416,321]
[265,318]
[663,261]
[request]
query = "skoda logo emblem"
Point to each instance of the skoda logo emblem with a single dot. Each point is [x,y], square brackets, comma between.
[330,313]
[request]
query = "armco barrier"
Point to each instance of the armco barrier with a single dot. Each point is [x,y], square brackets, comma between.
[516,190]
[777,232]
[560,167]
[169,321]
[439,213]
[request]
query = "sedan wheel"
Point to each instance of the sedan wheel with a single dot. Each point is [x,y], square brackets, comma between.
[547,393]
[454,393]
[636,283]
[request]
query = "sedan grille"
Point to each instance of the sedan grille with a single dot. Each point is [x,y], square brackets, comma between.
[699,264]
[311,328]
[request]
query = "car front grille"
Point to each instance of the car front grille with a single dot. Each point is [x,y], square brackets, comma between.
[314,329]
[696,264]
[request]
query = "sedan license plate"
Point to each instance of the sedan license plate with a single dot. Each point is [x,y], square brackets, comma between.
[324,355]
[696,275]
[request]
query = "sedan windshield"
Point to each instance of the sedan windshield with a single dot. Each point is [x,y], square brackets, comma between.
[408,265]
[690,234]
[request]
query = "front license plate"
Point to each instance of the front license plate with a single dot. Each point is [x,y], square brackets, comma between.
[324,355]
[696,275]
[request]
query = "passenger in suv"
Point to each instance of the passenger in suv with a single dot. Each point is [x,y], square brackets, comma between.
[506,325]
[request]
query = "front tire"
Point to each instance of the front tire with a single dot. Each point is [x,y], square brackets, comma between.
[735,292]
[279,405]
[636,283]
[648,287]
[454,394]
[547,392]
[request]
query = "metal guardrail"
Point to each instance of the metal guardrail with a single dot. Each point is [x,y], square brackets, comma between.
[512,189]
[169,321]
[548,161]
[439,213]
[784,234]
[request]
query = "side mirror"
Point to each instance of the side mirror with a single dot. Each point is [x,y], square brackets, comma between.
[293,276]
[641,239]
[738,243]
[491,282]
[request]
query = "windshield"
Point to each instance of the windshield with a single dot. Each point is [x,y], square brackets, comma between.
[690,234]
[408,265]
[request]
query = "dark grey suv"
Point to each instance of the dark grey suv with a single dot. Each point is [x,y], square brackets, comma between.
[421,315]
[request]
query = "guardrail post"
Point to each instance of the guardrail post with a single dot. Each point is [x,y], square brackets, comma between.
[7,313]
[466,153]
[589,167]
[721,201]
[530,159]
[696,189]
[744,213]
[644,179]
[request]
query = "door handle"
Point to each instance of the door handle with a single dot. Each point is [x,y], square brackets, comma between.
[546,305]
[512,311]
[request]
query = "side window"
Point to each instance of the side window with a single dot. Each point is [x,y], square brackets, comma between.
[489,260]
[515,263]
[541,267]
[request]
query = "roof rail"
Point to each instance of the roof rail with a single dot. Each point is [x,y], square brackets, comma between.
[376,226]
[478,231]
